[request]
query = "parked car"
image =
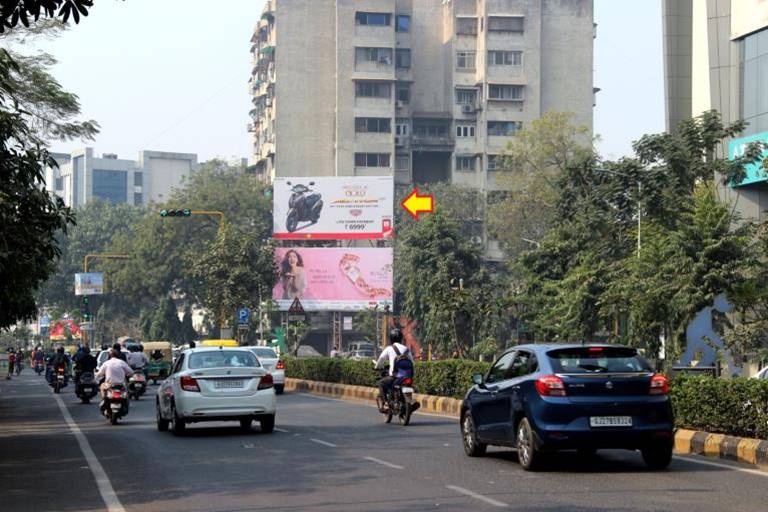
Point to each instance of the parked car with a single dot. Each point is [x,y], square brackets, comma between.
[545,398]
[360,355]
[269,360]
[216,384]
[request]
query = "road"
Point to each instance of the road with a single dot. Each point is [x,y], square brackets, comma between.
[327,455]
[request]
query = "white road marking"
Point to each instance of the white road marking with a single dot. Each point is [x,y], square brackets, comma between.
[102,480]
[480,497]
[324,443]
[383,463]
[281,430]
[723,466]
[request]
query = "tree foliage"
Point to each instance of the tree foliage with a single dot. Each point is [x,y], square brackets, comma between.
[27,12]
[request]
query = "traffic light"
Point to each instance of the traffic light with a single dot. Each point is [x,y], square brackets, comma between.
[179,212]
[85,309]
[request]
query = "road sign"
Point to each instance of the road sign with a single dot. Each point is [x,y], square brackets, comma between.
[242,327]
[86,326]
[243,315]
[45,321]
[296,311]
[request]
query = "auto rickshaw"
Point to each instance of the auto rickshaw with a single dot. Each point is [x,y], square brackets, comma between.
[160,359]
[219,343]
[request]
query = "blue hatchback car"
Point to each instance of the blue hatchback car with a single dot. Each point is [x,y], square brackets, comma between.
[545,398]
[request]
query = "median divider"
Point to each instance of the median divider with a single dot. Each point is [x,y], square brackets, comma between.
[737,449]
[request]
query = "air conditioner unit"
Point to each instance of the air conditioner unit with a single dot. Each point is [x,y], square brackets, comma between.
[467,109]
[476,240]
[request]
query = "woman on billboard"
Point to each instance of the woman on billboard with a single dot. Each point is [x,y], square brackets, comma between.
[292,275]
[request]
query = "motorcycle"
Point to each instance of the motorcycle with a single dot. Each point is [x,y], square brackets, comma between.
[302,207]
[137,385]
[114,405]
[86,387]
[39,367]
[400,401]
[59,379]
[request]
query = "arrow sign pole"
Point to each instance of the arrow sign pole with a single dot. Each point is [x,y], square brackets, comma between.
[416,204]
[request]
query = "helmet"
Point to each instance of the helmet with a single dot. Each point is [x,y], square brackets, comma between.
[395,335]
[60,350]
[87,349]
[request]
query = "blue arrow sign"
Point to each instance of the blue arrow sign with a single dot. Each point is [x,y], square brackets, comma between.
[243,315]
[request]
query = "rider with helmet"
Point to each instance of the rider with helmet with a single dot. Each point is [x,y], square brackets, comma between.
[396,354]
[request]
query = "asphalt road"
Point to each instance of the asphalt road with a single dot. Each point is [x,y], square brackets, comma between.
[327,455]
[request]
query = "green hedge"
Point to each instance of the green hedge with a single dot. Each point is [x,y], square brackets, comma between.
[451,377]
[737,407]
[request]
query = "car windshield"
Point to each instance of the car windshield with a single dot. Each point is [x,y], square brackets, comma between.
[266,353]
[597,360]
[222,359]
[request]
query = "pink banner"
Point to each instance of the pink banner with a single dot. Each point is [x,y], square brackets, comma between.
[333,279]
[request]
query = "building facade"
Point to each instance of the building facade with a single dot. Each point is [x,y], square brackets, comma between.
[83,177]
[716,57]
[425,90]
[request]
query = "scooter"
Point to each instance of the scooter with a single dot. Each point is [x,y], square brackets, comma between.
[114,405]
[400,401]
[86,387]
[302,207]
[137,385]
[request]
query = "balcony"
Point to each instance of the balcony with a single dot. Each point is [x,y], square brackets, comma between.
[432,142]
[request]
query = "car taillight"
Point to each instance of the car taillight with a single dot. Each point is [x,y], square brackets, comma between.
[280,365]
[189,384]
[659,385]
[550,385]
[407,382]
[266,382]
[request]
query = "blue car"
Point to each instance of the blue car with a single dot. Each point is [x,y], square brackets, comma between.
[545,398]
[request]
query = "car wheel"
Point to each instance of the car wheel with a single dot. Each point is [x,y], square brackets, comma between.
[279,388]
[162,424]
[267,424]
[245,424]
[527,453]
[657,457]
[472,447]
[178,427]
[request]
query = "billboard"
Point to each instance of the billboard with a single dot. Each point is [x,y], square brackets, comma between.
[91,283]
[333,208]
[333,279]
[60,327]
[754,171]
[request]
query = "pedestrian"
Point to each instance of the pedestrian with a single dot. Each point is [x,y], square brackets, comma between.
[334,352]
[11,361]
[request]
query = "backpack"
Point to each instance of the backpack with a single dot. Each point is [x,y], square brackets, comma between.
[403,364]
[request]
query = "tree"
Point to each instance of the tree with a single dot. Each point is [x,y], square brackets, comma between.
[165,322]
[28,11]
[187,332]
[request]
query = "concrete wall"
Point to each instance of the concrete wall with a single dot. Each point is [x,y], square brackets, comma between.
[163,172]
[677,17]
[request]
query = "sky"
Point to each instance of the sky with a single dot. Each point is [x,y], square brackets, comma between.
[172,75]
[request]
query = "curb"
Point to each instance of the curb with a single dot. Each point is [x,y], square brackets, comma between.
[721,446]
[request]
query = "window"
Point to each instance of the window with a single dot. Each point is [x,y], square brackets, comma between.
[376,55]
[138,179]
[59,184]
[505,24]
[223,359]
[465,130]
[465,60]
[499,368]
[371,159]
[466,96]
[372,90]
[402,163]
[504,128]
[111,186]
[378,19]
[466,26]
[465,163]
[138,199]
[505,58]
[505,92]
[403,59]
[597,359]
[373,125]
[404,93]
[403,23]
[263,352]
[495,162]
[522,365]
[430,130]
[401,128]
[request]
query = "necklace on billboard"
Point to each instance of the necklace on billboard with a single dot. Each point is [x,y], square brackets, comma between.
[348,267]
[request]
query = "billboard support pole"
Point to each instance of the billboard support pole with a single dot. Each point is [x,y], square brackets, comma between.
[103,256]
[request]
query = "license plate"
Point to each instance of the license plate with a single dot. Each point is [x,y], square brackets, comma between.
[407,390]
[87,389]
[228,384]
[115,407]
[610,421]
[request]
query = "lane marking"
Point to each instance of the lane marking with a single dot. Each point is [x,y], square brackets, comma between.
[467,492]
[722,466]
[281,430]
[324,443]
[102,480]
[383,463]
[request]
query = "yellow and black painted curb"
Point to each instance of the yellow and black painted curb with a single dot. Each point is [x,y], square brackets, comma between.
[737,449]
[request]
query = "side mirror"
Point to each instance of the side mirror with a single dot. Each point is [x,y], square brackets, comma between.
[288,183]
[477,379]
[311,183]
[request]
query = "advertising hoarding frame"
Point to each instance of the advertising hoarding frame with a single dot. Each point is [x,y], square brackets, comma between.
[89,283]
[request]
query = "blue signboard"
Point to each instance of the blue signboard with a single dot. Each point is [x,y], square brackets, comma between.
[45,321]
[243,315]
[736,148]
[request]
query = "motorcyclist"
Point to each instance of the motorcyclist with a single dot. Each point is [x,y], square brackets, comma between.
[136,358]
[391,353]
[117,351]
[86,363]
[19,361]
[113,371]
[58,360]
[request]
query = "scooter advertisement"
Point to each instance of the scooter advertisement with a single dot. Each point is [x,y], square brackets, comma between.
[333,208]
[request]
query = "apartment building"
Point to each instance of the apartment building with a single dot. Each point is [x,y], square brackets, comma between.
[425,90]
[82,176]
[716,57]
